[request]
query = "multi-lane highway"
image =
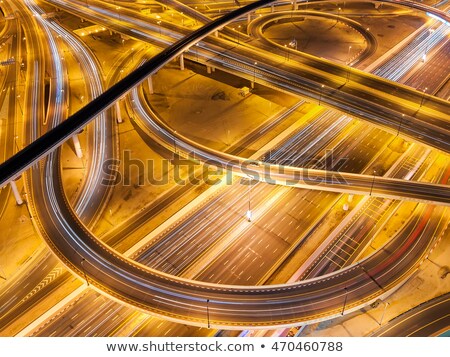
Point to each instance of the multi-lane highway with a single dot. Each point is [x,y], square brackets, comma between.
[31,285]
[101,141]
[192,242]
[219,300]
[434,109]
[363,95]
[349,243]
[364,184]
[436,70]
[85,266]
[427,319]
[8,98]
[98,133]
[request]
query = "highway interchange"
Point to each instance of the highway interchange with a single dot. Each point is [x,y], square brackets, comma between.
[214,305]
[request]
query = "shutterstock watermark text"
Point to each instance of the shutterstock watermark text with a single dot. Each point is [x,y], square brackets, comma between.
[132,171]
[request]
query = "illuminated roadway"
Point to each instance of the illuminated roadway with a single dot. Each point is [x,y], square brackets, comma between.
[363,187]
[427,319]
[300,177]
[181,246]
[94,323]
[358,185]
[436,70]
[363,95]
[101,141]
[104,307]
[174,262]
[228,305]
[345,249]
[8,97]
[234,306]
[16,299]
[256,28]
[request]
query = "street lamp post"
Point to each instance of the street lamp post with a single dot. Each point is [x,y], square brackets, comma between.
[287,52]
[321,91]
[84,271]
[159,27]
[182,18]
[348,73]
[348,54]
[434,263]
[249,211]
[117,8]
[423,97]
[237,33]
[386,304]
[401,122]
[207,313]
[370,276]
[373,182]
[15,142]
[20,105]
[254,74]
[345,301]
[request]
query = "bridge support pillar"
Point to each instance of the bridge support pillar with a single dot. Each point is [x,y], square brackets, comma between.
[216,33]
[16,193]
[294,5]
[119,116]
[208,69]
[77,145]
[150,84]
[110,32]
[249,18]
[272,8]
[182,62]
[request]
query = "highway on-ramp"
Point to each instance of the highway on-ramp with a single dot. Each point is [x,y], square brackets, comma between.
[427,319]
